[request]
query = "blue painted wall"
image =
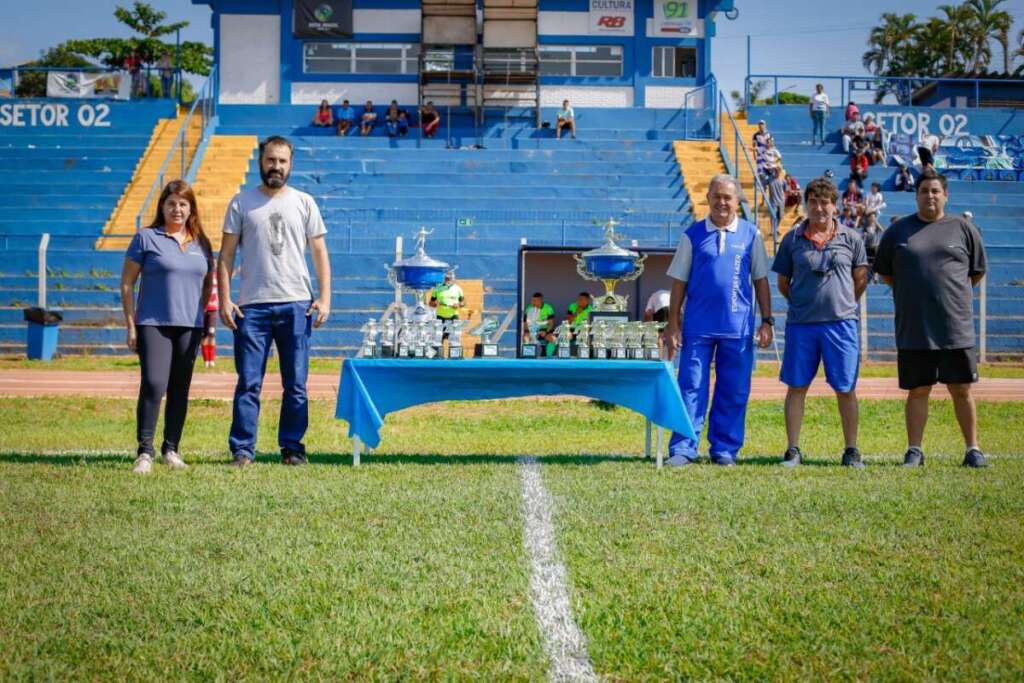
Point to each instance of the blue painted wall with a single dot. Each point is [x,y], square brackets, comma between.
[910,120]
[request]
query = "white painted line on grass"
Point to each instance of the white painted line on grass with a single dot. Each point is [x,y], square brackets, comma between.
[564,643]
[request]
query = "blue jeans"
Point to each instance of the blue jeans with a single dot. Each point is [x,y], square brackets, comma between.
[818,132]
[734,361]
[288,326]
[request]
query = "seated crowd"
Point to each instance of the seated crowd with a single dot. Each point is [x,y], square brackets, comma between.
[396,119]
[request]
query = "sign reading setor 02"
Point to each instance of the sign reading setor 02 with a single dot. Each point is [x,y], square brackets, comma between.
[56,115]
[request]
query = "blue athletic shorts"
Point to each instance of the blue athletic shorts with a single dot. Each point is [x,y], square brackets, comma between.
[808,344]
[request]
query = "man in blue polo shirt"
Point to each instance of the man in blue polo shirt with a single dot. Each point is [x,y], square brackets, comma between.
[823,271]
[718,267]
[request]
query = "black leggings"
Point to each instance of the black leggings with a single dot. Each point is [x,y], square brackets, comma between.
[167,355]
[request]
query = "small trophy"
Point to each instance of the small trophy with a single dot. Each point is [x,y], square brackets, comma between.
[583,340]
[435,335]
[420,340]
[634,341]
[651,338]
[387,339]
[564,333]
[455,338]
[618,341]
[531,348]
[600,335]
[405,340]
[368,349]
[487,348]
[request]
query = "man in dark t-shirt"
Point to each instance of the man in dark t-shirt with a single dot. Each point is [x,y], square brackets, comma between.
[932,262]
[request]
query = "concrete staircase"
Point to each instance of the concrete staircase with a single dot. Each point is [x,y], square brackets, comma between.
[121,225]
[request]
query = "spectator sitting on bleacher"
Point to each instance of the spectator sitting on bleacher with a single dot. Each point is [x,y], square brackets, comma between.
[848,218]
[874,204]
[853,129]
[904,179]
[927,148]
[566,119]
[346,118]
[396,120]
[430,120]
[323,118]
[852,111]
[853,198]
[368,119]
[877,151]
[794,195]
[859,166]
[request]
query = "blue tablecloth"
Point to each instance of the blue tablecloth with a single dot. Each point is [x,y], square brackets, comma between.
[372,388]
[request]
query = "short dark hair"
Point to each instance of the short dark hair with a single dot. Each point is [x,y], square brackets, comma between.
[536,295]
[586,294]
[931,174]
[823,189]
[277,140]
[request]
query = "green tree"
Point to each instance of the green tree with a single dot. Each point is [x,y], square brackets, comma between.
[956,33]
[33,84]
[146,22]
[991,23]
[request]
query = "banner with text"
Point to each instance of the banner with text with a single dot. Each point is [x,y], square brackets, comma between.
[677,19]
[323,19]
[87,85]
[611,17]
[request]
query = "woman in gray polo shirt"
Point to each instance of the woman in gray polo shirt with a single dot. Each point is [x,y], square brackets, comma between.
[166,325]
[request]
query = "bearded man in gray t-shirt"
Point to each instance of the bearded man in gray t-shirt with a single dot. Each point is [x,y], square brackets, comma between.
[932,261]
[271,225]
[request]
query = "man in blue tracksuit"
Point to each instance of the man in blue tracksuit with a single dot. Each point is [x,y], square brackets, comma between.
[718,267]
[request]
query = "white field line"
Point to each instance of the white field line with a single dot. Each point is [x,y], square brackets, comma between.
[565,644]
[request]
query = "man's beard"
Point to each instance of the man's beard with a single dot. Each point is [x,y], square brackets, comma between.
[275,181]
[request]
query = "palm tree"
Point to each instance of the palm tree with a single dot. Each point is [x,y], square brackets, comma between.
[887,42]
[957,27]
[990,23]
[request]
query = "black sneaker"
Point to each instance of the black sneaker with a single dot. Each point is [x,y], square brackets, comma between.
[914,457]
[851,458]
[240,460]
[975,458]
[293,458]
[792,457]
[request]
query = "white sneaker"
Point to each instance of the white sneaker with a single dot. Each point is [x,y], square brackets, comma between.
[143,465]
[173,460]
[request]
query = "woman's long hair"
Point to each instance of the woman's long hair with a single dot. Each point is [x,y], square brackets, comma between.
[193,224]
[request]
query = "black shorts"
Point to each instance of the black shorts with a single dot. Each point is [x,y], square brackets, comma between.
[661,315]
[925,367]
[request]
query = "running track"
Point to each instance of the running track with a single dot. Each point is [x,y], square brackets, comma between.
[122,384]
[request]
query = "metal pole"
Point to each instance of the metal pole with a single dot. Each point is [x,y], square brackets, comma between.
[983,320]
[977,93]
[177,62]
[44,242]
[864,327]
[398,257]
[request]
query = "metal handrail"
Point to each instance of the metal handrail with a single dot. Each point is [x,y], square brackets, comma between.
[708,92]
[906,82]
[760,198]
[206,103]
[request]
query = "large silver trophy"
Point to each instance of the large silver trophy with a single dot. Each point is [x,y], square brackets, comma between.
[610,264]
[418,274]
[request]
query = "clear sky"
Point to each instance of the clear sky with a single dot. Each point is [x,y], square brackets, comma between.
[788,36]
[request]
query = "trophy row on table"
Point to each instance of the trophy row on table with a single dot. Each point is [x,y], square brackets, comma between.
[412,339]
[601,340]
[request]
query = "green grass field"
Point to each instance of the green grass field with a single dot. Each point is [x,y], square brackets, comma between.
[413,567]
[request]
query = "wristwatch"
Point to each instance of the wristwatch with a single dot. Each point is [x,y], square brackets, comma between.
[768,321]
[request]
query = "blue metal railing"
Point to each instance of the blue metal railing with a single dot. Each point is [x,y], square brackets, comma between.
[902,88]
[740,166]
[699,100]
[206,104]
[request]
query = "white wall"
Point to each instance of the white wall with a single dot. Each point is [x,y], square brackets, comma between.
[355,93]
[250,58]
[586,96]
[665,96]
[563,23]
[386,21]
